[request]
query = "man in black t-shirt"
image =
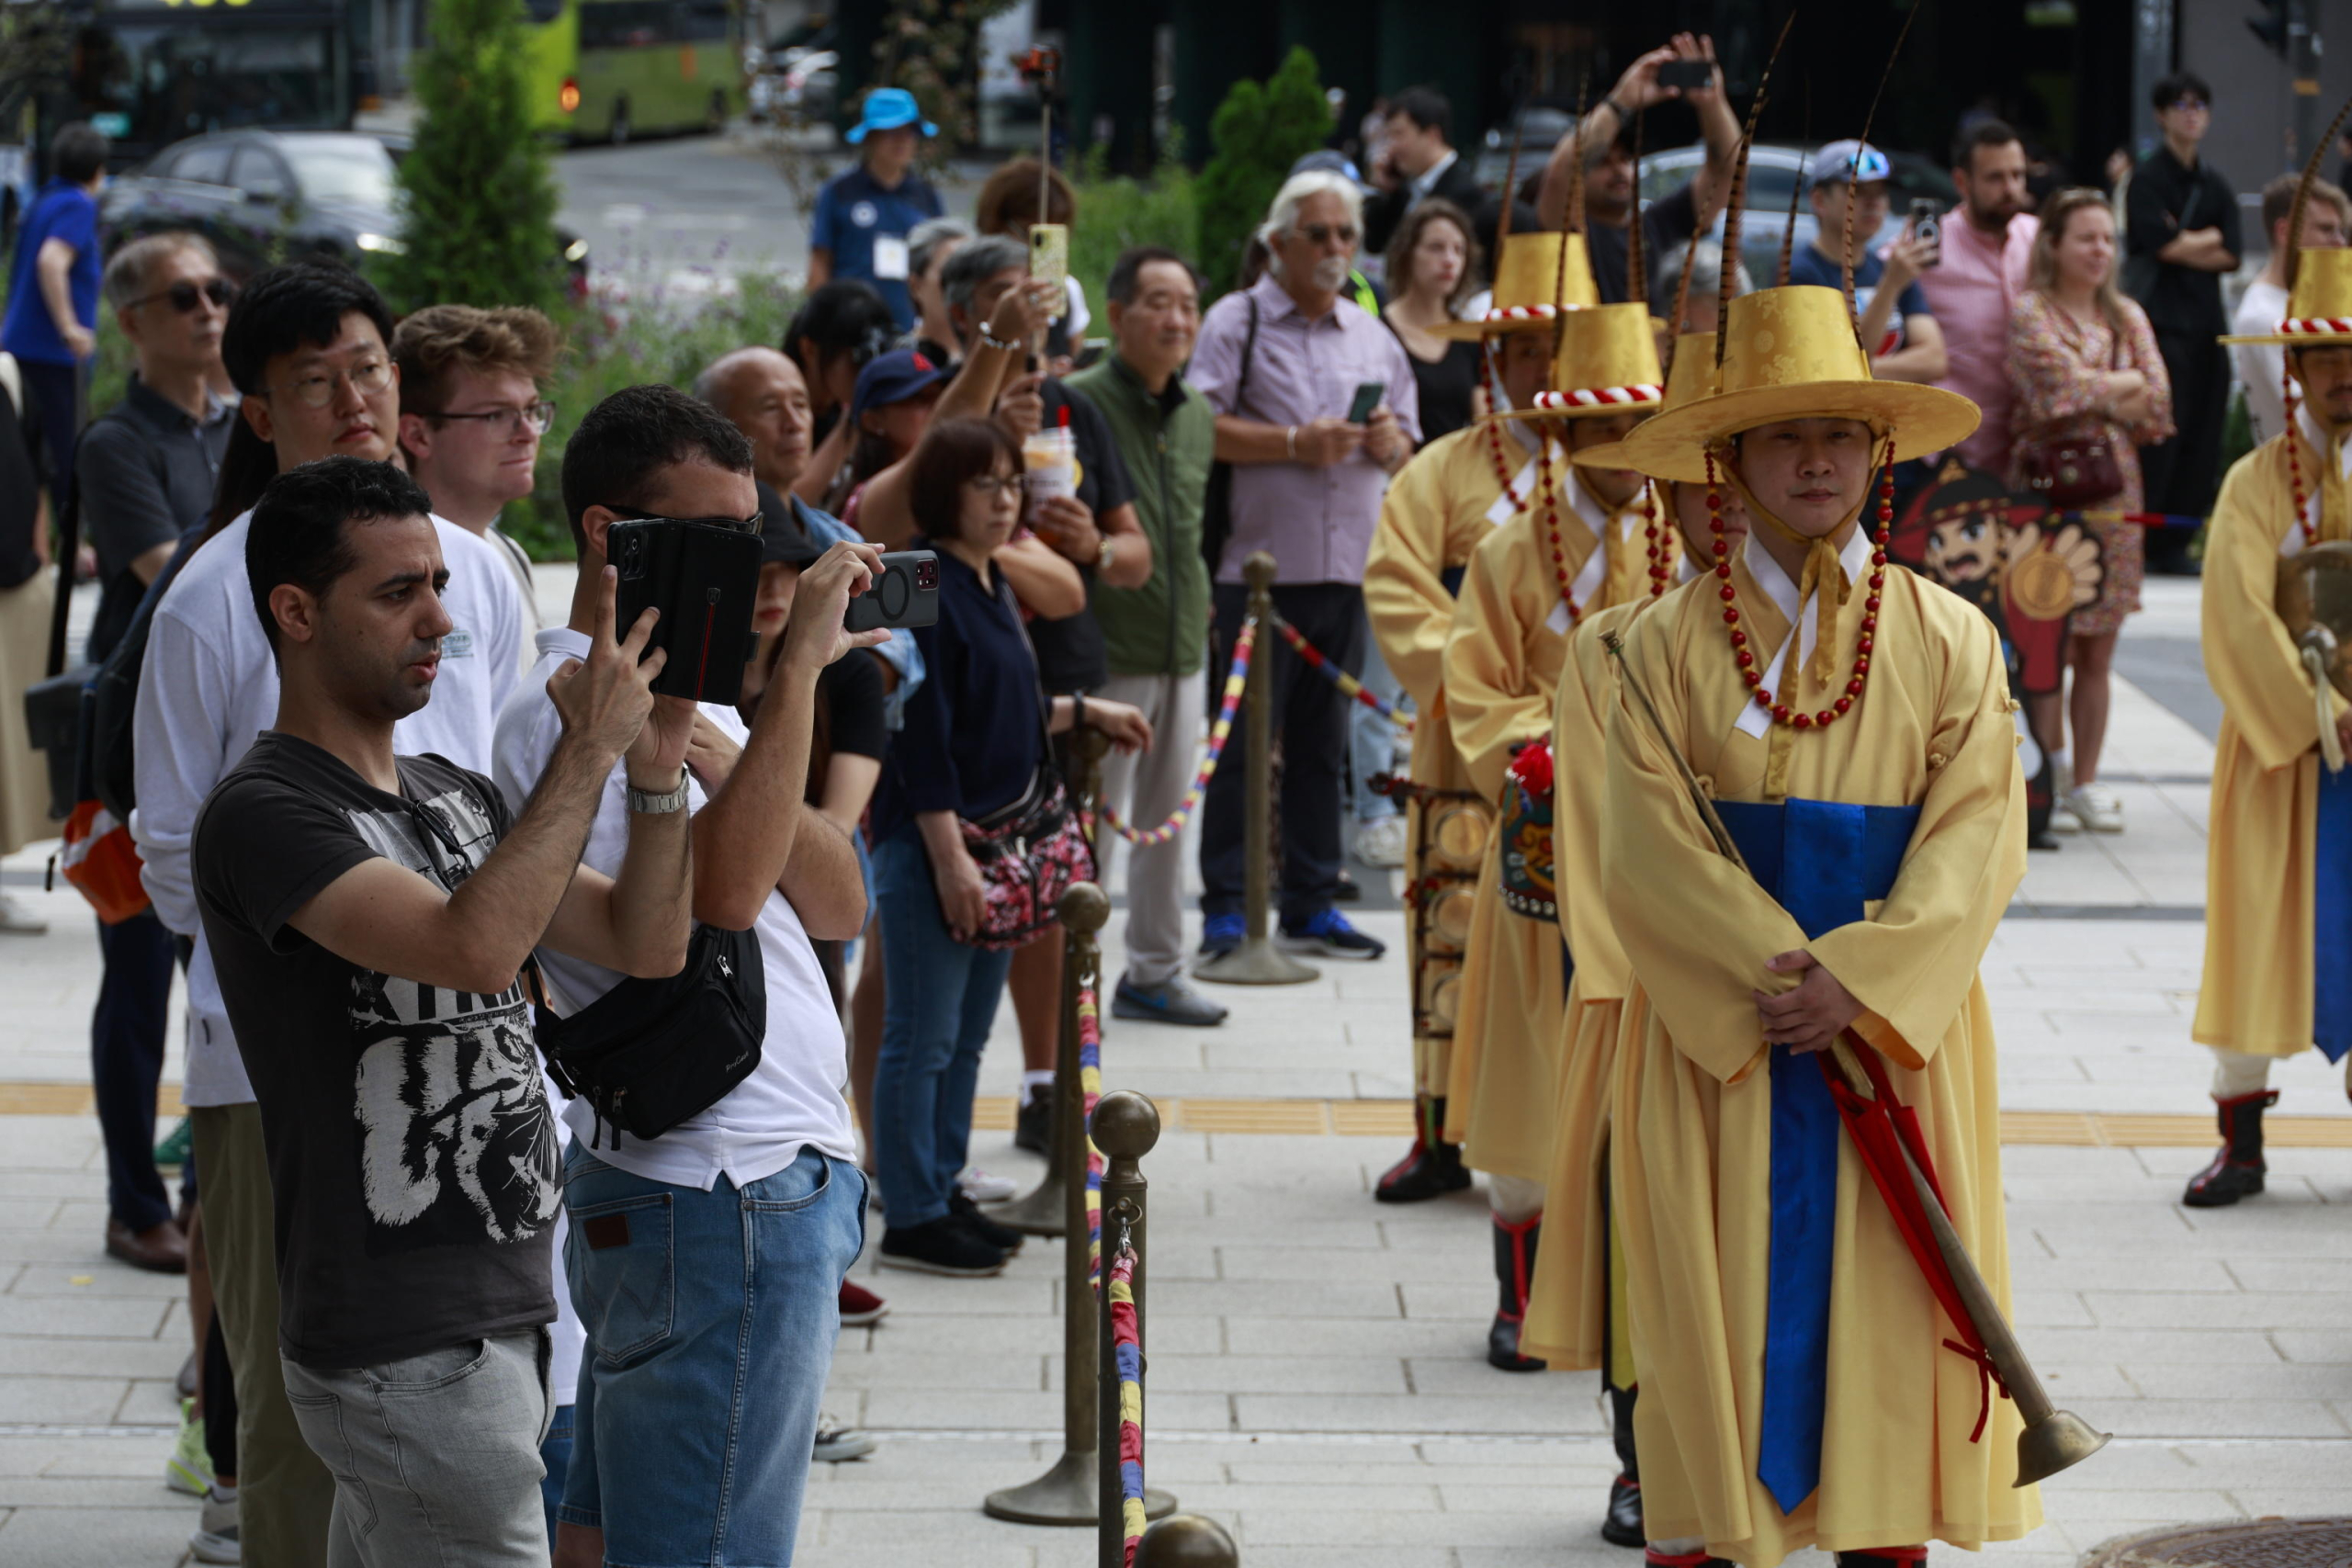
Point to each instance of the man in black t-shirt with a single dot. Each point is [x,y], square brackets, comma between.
[368,916]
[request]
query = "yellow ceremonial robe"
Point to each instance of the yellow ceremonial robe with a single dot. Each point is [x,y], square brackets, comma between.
[1502,667]
[1691,1132]
[2256,994]
[1438,508]
[1567,1324]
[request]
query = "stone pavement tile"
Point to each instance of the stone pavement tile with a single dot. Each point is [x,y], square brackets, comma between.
[1356,1232]
[2032,1270]
[2314,1346]
[1408,1413]
[1005,1553]
[1329,1528]
[1039,1335]
[2072,1380]
[137,1457]
[1259,1556]
[114,1281]
[1311,1262]
[49,1142]
[1266,1374]
[1468,1372]
[1308,1298]
[96,1538]
[2049,1309]
[2252,1384]
[910,1295]
[28,1214]
[2214,1417]
[2291,1502]
[2125,1309]
[2128,1347]
[900,1368]
[1251,1335]
[75,1401]
[59,1317]
[1471,1301]
[2332,1275]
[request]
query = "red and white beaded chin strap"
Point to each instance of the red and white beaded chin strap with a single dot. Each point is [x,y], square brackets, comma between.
[1747,656]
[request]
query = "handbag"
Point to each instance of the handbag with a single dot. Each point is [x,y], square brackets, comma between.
[1217,504]
[649,1053]
[2073,465]
[1029,852]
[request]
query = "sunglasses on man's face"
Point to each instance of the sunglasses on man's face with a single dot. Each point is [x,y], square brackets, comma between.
[740,524]
[1322,233]
[183,294]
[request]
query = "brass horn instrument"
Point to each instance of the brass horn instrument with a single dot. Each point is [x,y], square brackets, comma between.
[2314,598]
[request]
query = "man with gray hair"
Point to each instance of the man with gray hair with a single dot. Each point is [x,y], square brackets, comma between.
[1316,408]
[929,245]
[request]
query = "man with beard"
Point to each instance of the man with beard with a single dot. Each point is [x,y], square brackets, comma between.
[1986,240]
[368,916]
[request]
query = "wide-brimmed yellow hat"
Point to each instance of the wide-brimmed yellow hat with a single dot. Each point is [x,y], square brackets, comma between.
[1790,353]
[1533,283]
[1689,375]
[2319,308]
[1606,363]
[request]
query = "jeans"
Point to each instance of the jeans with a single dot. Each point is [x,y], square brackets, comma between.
[127,1060]
[1145,786]
[938,999]
[1372,739]
[435,1456]
[711,1318]
[1310,719]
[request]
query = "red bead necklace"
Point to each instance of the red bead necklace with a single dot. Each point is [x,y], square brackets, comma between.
[1655,547]
[1748,673]
[1503,476]
[2295,469]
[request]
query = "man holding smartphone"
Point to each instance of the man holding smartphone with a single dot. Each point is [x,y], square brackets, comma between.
[1897,328]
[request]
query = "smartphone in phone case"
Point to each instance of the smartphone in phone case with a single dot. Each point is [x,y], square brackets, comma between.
[703,580]
[905,592]
[1687,75]
[1050,253]
[1366,402]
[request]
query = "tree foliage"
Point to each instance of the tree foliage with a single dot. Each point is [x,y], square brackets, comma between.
[1259,132]
[478,195]
[931,48]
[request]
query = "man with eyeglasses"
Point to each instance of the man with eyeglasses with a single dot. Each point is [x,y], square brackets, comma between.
[306,345]
[471,416]
[2181,239]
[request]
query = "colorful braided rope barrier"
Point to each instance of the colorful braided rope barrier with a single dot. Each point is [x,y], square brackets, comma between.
[1126,1348]
[1237,681]
[1348,685]
[1089,1083]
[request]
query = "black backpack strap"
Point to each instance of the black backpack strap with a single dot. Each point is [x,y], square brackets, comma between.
[1248,352]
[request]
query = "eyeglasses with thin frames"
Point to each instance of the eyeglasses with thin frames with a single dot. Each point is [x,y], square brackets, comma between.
[991,485]
[537,416]
[368,377]
[187,291]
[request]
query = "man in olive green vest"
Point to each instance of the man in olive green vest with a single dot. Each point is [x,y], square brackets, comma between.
[1157,633]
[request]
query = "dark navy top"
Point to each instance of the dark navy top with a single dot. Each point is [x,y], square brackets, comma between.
[975,732]
[853,211]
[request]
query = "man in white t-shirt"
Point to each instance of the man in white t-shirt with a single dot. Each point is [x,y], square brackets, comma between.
[2262,368]
[307,346]
[706,1262]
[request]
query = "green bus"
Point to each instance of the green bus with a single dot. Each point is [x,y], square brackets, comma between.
[611,69]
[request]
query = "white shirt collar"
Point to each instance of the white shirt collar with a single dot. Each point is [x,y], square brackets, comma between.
[1427,178]
[1853,558]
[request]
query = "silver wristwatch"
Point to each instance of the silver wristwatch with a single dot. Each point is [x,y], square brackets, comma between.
[653,805]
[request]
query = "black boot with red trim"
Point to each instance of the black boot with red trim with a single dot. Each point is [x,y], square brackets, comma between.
[2237,1171]
[1431,1168]
[1514,1269]
[1653,1558]
[1622,1524]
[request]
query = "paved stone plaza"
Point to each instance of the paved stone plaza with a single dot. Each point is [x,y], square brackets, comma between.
[1317,1372]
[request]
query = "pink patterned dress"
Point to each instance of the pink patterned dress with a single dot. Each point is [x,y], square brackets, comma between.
[2057,362]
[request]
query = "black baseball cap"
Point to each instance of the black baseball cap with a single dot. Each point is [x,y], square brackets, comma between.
[784,541]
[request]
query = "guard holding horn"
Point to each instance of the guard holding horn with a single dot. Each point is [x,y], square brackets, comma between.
[1455,491]
[1593,537]
[1575,1306]
[2277,632]
[1850,728]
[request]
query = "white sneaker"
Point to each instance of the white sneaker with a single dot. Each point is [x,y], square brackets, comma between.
[20,919]
[1381,843]
[2062,818]
[836,1442]
[982,1187]
[215,1538]
[2097,809]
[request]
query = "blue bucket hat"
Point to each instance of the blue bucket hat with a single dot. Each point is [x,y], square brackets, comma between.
[893,379]
[887,108]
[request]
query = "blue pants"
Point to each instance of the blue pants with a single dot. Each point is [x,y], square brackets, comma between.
[711,1318]
[938,999]
[127,1061]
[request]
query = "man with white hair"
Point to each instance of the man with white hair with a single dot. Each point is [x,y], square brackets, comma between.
[1282,362]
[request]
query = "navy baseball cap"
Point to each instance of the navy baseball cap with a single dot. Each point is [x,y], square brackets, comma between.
[893,377]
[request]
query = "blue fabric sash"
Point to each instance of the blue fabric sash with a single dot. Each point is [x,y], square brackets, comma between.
[2332,917]
[1821,861]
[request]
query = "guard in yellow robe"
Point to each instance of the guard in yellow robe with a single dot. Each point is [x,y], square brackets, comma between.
[1455,492]
[1576,1307]
[1594,538]
[1853,726]
[2279,867]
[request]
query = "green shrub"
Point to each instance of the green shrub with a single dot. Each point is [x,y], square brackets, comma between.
[478,195]
[1259,132]
[1116,214]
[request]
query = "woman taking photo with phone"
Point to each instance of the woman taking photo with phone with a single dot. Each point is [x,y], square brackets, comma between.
[966,789]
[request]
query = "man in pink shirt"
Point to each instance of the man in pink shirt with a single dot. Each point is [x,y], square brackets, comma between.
[1979,277]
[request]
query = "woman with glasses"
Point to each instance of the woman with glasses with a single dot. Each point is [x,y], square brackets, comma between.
[471,416]
[974,747]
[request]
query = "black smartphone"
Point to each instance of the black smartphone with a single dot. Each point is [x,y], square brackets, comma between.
[1687,74]
[703,580]
[1927,227]
[1367,398]
[905,594]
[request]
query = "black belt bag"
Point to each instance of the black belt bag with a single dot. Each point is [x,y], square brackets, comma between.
[649,1053]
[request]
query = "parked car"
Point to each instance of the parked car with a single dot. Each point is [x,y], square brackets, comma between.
[265,196]
[797,79]
[1539,131]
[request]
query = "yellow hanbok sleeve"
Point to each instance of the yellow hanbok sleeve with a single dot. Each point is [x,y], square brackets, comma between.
[1492,699]
[2249,658]
[1912,962]
[1404,585]
[1587,685]
[1696,929]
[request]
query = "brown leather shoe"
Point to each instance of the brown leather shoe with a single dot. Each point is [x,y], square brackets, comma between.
[158,1250]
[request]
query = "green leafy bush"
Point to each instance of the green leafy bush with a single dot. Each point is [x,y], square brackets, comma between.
[1116,214]
[478,196]
[1259,132]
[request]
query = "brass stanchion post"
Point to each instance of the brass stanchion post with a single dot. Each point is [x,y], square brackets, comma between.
[1040,1211]
[1187,1541]
[1126,1125]
[1258,962]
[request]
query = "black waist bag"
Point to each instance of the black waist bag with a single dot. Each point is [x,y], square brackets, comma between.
[649,1053]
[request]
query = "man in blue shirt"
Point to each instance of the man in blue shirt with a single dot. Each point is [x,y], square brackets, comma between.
[1906,344]
[53,319]
[864,216]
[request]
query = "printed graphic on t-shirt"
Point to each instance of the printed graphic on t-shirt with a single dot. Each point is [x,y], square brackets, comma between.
[457,1145]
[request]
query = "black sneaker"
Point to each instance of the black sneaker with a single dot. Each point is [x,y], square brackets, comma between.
[1330,934]
[1033,1125]
[944,1246]
[1004,1239]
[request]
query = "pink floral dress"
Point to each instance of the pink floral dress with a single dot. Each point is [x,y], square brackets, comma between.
[2057,364]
